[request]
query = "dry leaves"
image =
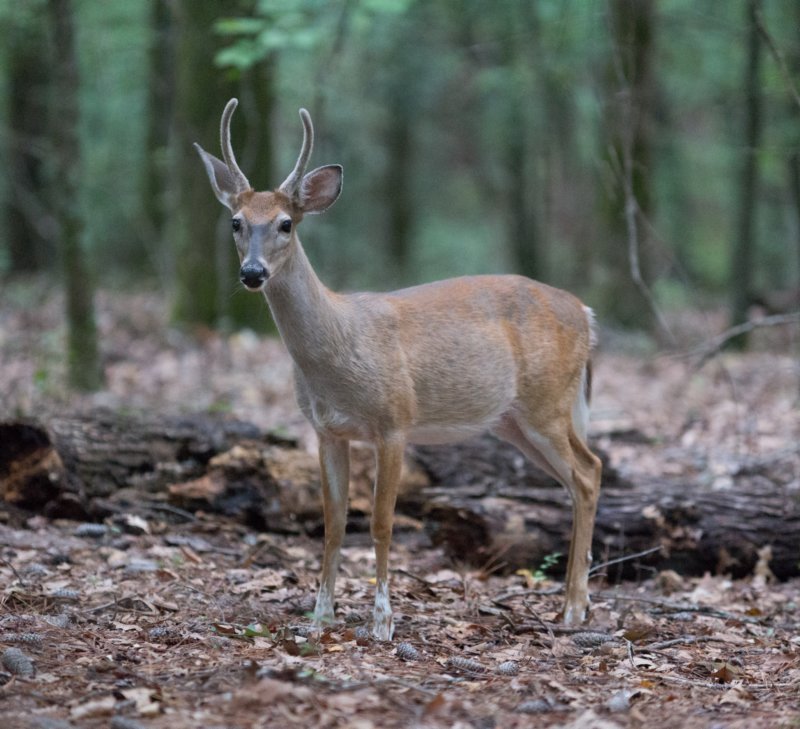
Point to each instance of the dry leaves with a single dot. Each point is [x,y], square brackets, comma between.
[205,624]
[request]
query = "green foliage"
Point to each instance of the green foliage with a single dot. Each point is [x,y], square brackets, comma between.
[539,574]
[477,101]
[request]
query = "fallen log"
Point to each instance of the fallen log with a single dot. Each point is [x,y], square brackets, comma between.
[70,464]
[481,501]
[94,465]
[488,507]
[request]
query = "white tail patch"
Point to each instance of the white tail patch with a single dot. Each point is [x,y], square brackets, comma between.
[580,410]
[590,317]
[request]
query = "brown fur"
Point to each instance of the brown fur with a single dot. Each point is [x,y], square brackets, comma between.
[431,363]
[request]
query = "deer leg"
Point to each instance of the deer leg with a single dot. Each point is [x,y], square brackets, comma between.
[585,491]
[566,458]
[334,460]
[389,456]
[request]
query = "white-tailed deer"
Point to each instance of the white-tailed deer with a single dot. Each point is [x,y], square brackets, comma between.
[429,364]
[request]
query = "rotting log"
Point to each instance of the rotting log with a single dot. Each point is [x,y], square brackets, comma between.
[484,503]
[70,464]
[102,463]
[488,506]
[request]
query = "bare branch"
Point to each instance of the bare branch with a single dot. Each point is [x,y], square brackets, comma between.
[625,558]
[708,350]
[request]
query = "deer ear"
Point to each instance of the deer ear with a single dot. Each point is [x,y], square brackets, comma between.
[320,188]
[222,182]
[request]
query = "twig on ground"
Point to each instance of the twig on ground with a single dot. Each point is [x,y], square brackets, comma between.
[625,558]
[526,593]
[13,569]
[683,640]
[629,646]
[681,607]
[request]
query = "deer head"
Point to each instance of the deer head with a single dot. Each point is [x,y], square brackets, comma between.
[264,223]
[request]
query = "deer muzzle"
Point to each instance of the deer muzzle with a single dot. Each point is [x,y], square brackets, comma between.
[253,275]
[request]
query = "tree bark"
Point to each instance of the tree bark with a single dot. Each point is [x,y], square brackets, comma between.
[631,81]
[28,224]
[200,95]
[488,506]
[742,259]
[482,501]
[63,466]
[82,354]
[161,92]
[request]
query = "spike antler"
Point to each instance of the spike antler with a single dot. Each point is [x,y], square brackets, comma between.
[291,184]
[227,150]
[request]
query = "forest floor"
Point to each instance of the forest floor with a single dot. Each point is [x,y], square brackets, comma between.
[206,624]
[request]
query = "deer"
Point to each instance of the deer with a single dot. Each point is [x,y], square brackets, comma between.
[434,363]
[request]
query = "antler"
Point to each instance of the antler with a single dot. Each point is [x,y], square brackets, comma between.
[227,149]
[291,184]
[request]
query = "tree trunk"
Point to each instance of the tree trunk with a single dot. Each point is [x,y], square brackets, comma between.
[401,103]
[523,235]
[200,95]
[520,149]
[161,91]
[743,252]
[28,225]
[398,187]
[82,355]
[629,121]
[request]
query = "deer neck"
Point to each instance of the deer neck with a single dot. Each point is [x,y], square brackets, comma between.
[308,315]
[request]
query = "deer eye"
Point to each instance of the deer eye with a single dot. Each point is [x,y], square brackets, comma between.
[236,224]
[285,226]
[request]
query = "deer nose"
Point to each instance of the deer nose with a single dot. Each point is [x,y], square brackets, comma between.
[253,275]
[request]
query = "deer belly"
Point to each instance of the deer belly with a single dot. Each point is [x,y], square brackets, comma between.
[439,434]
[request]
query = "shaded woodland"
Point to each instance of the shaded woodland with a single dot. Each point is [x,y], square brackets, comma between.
[160,508]
[643,155]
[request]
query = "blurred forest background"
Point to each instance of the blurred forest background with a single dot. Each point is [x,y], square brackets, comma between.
[645,155]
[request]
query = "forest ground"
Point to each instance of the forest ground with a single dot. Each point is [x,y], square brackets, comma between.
[205,624]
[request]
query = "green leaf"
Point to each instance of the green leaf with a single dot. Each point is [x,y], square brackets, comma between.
[239,26]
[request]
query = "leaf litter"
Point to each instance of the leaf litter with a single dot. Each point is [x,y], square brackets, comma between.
[189,626]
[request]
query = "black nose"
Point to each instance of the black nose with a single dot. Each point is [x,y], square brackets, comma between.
[253,275]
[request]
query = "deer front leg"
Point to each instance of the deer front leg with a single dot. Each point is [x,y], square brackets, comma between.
[389,456]
[334,461]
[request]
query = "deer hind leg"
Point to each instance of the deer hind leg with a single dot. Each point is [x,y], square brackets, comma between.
[334,460]
[389,456]
[564,456]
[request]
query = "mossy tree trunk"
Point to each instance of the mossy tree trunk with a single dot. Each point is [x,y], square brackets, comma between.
[201,91]
[82,354]
[742,259]
[160,95]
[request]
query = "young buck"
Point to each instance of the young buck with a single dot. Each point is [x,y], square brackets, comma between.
[429,364]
